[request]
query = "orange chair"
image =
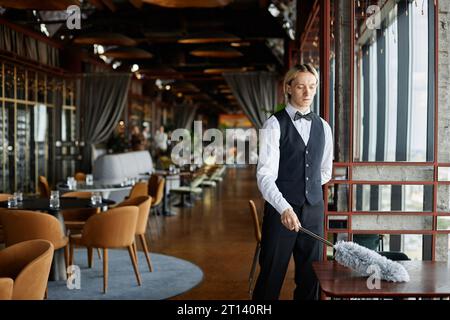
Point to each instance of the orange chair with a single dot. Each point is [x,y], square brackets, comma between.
[143,203]
[114,228]
[6,288]
[74,219]
[25,267]
[156,191]
[44,189]
[3,197]
[24,225]
[257,228]
[80,176]
[140,189]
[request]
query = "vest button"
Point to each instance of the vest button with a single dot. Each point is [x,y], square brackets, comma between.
[307,152]
[306,192]
[307,178]
[307,165]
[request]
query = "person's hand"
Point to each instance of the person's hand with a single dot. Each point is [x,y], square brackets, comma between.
[290,220]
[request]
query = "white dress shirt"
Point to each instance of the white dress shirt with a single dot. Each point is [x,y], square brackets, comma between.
[269,158]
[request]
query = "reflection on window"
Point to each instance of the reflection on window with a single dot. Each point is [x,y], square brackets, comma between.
[394,67]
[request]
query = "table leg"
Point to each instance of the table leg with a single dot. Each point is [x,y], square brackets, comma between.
[166,211]
[58,269]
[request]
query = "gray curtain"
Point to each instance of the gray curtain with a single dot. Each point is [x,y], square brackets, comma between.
[101,99]
[185,114]
[256,92]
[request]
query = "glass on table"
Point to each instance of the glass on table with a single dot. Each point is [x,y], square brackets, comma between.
[96,198]
[54,199]
[19,196]
[12,202]
[89,179]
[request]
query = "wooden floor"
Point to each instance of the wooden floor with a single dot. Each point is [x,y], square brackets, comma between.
[217,235]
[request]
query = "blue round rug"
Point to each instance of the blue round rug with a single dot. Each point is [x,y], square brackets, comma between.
[170,277]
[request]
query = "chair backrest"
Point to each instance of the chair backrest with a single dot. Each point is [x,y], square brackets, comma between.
[24,225]
[255,218]
[114,228]
[28,263]
[156,189]
[44,189]
[77,194]
[143,203]
[80,176]
[5,196]
[140,189]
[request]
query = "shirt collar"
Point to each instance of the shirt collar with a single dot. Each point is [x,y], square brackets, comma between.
[291,111]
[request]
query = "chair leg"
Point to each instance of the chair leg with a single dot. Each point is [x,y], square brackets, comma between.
[135,251]
[133,260]
[90,256]
[145,247]
[66,256]
[253,269]
[46,293]
[105,270]
[98,254]
[71,245]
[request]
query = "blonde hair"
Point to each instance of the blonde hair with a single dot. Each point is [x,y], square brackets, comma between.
[292,73]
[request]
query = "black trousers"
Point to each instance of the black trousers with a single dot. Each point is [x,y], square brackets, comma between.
[278,244]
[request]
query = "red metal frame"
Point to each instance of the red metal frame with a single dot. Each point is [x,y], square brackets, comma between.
[325,18]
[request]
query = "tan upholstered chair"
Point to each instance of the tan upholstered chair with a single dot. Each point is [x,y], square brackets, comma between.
[74,219]
[25,266]
[143,203]
[139,189]
[24,225]
[254,214]
[3,197]
[44,188]
[6,288]
[156,191]
[80,176]
[114,228]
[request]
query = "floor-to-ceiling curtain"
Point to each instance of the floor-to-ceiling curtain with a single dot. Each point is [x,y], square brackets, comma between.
[101,100]
[184,116]
[256,92]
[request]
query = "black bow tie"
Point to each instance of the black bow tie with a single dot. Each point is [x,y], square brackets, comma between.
[299,116]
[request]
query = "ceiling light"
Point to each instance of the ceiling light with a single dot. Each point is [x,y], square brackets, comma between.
[134,68]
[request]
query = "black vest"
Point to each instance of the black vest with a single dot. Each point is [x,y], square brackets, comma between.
[299,173]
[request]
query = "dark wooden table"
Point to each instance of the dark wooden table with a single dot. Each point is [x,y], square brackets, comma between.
[166,174]
[58,270]
[428,280]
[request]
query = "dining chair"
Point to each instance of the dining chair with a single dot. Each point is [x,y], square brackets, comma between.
[24,270]
[257,229]
[156,191]
[80,177]
[114,228]
[138,190]
[75,219]
[22,225]
[44,188]
[143,203]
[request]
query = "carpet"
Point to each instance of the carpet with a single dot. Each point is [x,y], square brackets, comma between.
[171,276]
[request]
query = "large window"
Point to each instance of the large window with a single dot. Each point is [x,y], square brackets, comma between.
[395,74]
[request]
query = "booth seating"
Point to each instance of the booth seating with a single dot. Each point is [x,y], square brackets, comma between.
[116,168]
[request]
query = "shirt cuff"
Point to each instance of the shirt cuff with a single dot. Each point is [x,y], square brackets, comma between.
[282,206]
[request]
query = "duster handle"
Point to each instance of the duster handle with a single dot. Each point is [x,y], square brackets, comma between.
[315,236]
